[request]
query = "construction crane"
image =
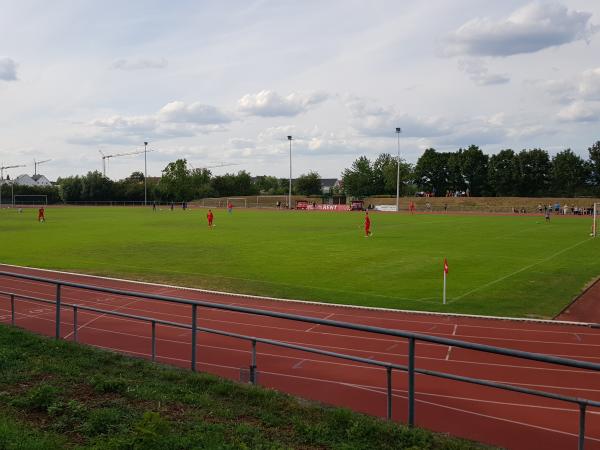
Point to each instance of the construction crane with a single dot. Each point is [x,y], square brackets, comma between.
[216,165]
[7,167]
[37,163]
[105,158]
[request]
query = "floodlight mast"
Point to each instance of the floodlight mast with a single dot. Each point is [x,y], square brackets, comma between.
[290,190]
[2,178]
[145,174]
[398,131]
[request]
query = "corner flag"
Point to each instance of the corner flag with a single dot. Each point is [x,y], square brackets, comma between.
[445,273]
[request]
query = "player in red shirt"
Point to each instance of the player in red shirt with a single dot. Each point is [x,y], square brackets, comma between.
[367,225]
[229,207]
[210,218]
[41,217]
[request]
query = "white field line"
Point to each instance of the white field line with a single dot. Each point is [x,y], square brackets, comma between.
[304,302]
[483,286]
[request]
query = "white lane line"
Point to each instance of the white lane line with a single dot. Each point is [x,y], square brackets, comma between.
[100,316]
[450,347]
[329,316]
[298,364]
[142,310]
[417,322]
[483,286]
[487,416]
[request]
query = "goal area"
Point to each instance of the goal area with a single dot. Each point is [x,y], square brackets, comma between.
[29,201]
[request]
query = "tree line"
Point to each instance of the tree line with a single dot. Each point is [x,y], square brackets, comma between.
[179,183]
[528,173]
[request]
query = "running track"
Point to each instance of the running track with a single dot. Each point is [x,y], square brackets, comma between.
[496,417]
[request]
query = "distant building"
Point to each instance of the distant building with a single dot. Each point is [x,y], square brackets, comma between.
[41,180]
[36,180]
[327,184]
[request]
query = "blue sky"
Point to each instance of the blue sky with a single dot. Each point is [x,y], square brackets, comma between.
[226,82]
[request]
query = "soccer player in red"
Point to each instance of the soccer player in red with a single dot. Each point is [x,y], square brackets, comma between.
[210,218]
[41,217]
[367,225]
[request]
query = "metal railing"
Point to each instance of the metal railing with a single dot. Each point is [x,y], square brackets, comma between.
[410,369]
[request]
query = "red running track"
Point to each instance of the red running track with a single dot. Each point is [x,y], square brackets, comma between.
[496,417]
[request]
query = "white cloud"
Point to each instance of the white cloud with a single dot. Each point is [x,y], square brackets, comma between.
[139,64]
[196,112]
[268,103]
[478,72]
[175,119]
[580,111]
[8,69]
[370,119]
[589,84]
[532,28]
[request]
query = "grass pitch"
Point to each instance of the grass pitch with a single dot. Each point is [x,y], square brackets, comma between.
[499,265]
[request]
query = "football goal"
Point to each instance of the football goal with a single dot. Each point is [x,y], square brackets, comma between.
[237,202]
[594,220]
[24,201]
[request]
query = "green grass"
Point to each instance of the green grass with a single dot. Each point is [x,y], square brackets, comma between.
[55,395]
[499,265]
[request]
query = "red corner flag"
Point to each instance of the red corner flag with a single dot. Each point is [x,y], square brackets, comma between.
[445,266]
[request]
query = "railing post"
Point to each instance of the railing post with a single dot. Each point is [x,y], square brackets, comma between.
[75,323]
[12,310]
[411,382]
[389,393]
[582,407]
[57,334]
[194,307]
[253,364]
[153,340]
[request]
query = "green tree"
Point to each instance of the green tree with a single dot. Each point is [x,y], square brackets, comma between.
[176,181]
[534,172]
[594,154]
[473,164]
[503,173]
[359,180]
[308,184]
[71,188]
[96,187]
[385,172]
[267,185]
[570,174]
[431,171]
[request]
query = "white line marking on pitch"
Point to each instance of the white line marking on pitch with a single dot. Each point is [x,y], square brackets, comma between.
[518,271]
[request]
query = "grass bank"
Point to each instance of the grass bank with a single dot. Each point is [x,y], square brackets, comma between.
[56,395]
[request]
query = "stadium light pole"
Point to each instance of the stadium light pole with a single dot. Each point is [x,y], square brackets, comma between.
[290,191]
[398,131]
[145,175]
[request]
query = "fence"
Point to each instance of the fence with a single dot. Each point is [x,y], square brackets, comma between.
[412,338]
